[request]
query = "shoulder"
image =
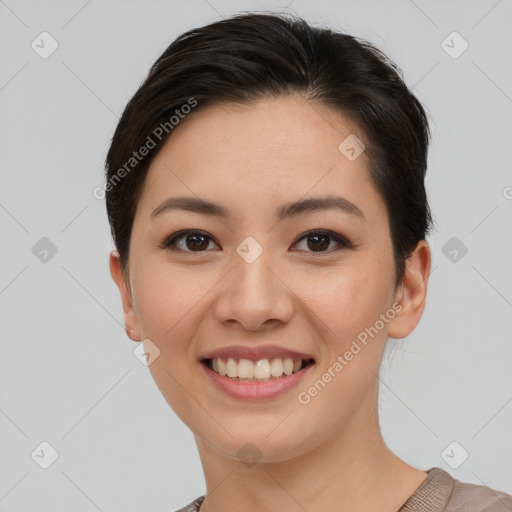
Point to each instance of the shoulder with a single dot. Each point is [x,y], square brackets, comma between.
[440,492]
[478,498]
[194,506]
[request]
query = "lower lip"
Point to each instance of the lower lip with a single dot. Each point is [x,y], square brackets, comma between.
[255,390]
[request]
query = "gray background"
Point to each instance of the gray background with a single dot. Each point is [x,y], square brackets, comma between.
[68,373]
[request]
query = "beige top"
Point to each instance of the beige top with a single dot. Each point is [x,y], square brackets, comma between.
[439,492]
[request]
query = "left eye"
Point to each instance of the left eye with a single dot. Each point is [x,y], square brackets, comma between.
[320,239]
[197,241]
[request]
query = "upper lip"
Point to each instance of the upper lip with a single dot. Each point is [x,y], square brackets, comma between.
[256,353]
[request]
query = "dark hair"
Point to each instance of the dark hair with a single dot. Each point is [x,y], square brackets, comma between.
[256,55]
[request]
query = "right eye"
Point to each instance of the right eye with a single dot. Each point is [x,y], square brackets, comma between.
[192,239]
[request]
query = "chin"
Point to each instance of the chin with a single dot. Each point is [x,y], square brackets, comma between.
[267,444]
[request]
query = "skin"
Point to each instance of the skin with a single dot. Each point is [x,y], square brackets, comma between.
[325,455]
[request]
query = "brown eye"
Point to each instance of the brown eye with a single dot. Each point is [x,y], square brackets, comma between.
[194,241]
[197,242]
[319,240]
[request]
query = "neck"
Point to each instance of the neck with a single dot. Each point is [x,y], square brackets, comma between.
[353,470]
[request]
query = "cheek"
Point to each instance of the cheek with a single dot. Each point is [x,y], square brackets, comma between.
[169,306]
[345,301]
[350,308]
[168,302]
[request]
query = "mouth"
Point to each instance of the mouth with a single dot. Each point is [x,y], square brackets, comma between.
[260,370]
[250,372]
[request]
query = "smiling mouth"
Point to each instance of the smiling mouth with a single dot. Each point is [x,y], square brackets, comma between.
[262,370]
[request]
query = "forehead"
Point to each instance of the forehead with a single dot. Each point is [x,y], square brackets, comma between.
[267,153]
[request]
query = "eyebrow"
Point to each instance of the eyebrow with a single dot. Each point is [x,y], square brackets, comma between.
[201,206]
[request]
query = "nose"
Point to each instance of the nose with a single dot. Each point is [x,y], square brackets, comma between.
[254,295]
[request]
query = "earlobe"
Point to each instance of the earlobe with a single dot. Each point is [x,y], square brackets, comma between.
[412,293]
[131,320]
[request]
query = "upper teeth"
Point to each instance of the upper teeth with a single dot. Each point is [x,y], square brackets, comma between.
[262,369]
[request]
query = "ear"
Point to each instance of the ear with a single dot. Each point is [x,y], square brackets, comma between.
[412,292]
[131,320]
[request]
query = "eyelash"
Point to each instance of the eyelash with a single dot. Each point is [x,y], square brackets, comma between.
[170,242]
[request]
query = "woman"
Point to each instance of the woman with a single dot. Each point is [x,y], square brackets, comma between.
[265,190]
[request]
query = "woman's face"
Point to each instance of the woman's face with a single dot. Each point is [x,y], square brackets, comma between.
[252,279]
